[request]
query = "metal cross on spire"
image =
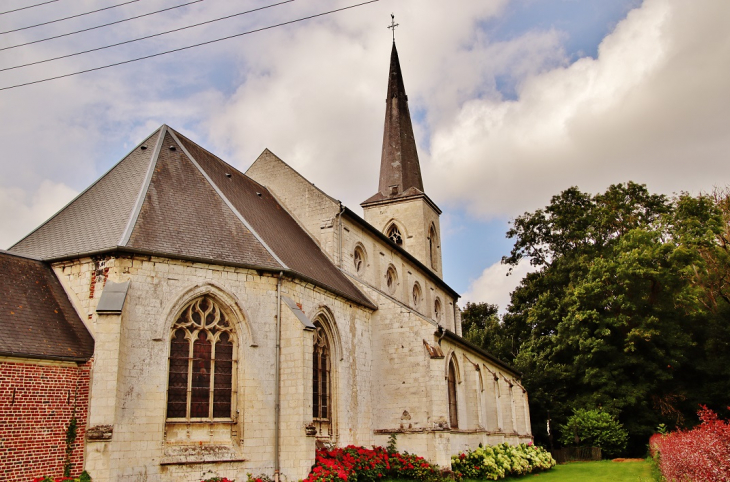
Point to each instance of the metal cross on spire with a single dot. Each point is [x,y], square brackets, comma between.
[392,25]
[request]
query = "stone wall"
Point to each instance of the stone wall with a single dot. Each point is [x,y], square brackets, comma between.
[129,385]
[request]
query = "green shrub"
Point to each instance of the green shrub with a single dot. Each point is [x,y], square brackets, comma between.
[594,428]
[498,461]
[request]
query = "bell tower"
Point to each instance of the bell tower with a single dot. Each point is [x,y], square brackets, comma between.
[401,209]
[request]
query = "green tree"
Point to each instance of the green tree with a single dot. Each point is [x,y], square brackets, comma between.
[610,318]
[594,428]
[481,326]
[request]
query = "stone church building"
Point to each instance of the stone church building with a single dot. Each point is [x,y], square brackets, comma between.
[195,320]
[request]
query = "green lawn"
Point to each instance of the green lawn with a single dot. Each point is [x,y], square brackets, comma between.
[604,470]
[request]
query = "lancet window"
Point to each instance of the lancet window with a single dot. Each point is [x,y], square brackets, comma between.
[437,310]
[453,411]
[202,363]
[322,405]
[417,295]
[433,246]
[358,259]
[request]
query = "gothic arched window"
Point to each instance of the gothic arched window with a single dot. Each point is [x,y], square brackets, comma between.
[417,295]
[322,381]
[453,414]
[358,259]
[395,235]
[437,311]
[433,246]
[202,363]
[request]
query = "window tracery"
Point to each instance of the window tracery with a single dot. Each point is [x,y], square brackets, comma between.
[202,361]
[395,235]
[391,279]
[358,259]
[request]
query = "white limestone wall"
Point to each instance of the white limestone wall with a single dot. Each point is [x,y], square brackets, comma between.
[379,256]
[414,218]
[129,379]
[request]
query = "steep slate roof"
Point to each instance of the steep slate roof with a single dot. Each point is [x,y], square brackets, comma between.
[37,319]
[170,197]
[400,171]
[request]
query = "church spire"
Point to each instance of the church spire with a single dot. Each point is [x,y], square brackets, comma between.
[399,166]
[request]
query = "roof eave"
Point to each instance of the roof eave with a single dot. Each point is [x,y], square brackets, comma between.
[37,356]
[451,336]
[267,269]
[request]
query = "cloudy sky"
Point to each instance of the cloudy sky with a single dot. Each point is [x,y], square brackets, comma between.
[513,101]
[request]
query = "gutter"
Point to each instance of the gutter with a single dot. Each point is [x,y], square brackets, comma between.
[277,376]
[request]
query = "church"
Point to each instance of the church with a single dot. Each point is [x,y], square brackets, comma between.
[180,319]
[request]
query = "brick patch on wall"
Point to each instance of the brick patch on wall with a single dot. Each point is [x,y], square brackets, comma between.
[36,405]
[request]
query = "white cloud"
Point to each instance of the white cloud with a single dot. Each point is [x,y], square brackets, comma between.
[651,108]
[21,212]
[495,285]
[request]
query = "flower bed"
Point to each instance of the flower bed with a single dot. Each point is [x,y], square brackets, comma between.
[359,464]
[701,454]
[499,461]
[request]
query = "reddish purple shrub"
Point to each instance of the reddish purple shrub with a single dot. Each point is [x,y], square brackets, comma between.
[700,455]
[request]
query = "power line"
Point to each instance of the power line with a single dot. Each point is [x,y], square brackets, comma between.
[146,37]
[190,46]
[100,26]
[68,18]
[26,8]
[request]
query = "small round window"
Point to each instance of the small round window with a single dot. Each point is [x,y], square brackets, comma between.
[391,280]
[437,311]
[358,259]
[417,295]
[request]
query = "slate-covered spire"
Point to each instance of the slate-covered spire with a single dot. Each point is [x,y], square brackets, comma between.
[399,166]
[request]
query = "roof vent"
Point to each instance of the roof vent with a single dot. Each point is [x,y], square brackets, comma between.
[228,174]
[173,148]
[143,148]
[258,194]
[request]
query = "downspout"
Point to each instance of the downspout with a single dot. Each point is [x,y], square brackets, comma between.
[277,394]
[339,216]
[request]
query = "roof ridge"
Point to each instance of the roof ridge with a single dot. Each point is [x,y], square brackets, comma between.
[78,196]
[227,201]
[134,214]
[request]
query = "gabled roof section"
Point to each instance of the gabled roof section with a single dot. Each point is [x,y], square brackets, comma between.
[170,197]
[273,224]
[96,219]
[37,319]
[400,169]
[183,214]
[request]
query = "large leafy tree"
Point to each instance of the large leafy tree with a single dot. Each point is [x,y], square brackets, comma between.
[614,316]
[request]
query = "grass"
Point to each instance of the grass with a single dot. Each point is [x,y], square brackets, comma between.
[605,470]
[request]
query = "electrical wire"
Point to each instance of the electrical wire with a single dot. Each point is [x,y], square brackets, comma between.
[190,46]
[147,37]
[68,18]
[26,8]
[100,26]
